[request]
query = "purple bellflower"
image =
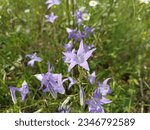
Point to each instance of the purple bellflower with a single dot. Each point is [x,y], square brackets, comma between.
[79,17]
[33,58]
[51,18]
[103,88]
[50,3]
[92,77]
[78,36]
[95,104]
[82,15]
[74,34]
[78,58]
[53,83]
[87,31]
[71,33]
[24,90]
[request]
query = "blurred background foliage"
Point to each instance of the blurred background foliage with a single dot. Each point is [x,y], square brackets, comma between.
[122,39]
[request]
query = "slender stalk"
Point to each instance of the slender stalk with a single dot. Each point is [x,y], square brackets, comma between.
[68,11]
[73,11]
[142,92]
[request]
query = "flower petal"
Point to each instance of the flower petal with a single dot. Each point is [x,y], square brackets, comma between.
[106,80]
[81,48]
[89,54]
[71,66]
[85,65]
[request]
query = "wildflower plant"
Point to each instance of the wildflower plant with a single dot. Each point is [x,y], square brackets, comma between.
[80,83]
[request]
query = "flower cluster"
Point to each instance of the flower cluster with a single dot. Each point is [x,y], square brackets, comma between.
[54,83]
[99,97]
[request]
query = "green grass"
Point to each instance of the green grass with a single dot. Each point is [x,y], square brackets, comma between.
[122,39]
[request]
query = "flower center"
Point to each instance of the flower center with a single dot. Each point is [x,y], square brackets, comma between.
[79,58]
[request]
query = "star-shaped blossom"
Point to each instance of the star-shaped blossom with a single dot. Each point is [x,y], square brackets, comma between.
[92,77]
[50,3]
[51,18]
[24,90]
[53,83]
[33,58]
[79,58]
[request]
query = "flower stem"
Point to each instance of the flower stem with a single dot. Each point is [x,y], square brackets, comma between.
[68,11]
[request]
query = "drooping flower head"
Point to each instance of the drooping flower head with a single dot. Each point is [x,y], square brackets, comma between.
[51,18]
[79,58]
[24,90]
[50,3]
[51,82]
[92,77]
[33,58]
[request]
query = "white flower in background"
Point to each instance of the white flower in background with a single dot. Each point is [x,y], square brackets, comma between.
[93,3]
[85,16]
[27,11]
[144,1]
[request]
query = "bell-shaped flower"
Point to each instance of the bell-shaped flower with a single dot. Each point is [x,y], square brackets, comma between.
[33,58]
[92,77]
[51,82]
[24,90]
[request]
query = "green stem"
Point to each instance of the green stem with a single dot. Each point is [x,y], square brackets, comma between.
[73,11]
[68,11]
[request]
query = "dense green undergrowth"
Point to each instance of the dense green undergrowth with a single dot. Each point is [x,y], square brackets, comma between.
[121,36]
